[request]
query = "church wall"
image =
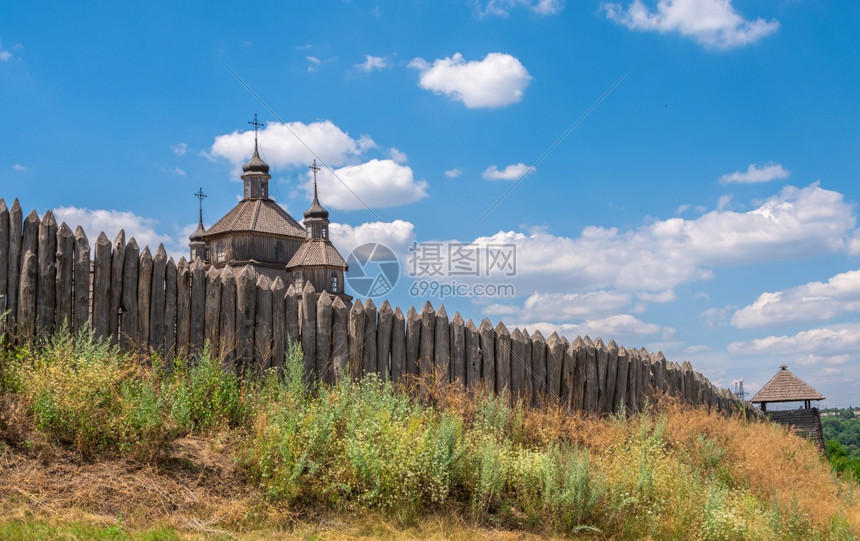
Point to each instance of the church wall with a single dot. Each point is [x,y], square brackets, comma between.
[320,278]
[247,246]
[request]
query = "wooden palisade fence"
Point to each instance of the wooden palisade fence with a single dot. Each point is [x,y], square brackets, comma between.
[150,304]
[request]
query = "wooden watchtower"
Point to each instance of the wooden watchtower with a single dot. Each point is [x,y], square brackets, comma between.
[785,387]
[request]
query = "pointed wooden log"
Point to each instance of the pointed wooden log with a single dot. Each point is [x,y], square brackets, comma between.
[428,335]
[170,298]
[212,311]
[198,305]
[291,312]
[46,289]
[340,339]
[64,278]
[4,256]
[116,276]
[413,342]
[633,381]
[592,389]
[157,300]
[30,236]
[528,384]
[621,378]
[356,340]
[554,365]
[502,354]
[458,349]
[27,295]
[644,378]
[13,268]
[383,340]
[144,298]
[82,302]
[611,375]
[279,323]
[602,354]
[369,352]
[539,369]
[398,345]
[227,338]
[263,345]
[101,287]
[442,346]
[183,309]
[309,329]
[567,374]
[324,367]
[473,354]
[518,369]
[246,313]
[488,355]
[579,375]
[130,273]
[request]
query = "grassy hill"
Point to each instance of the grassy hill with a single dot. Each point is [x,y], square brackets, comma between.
[94,445]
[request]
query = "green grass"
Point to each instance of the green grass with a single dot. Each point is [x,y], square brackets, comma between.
[30,530]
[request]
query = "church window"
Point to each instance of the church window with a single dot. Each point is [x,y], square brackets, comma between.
[324,231]
[334,282]
[220,255]
[297,280]
[279,251]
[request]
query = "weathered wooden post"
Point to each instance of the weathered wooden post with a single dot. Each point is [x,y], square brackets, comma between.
[356,340]
[130,272]
[383,339]
[413,342]
[369,352]
[340,339]
[291,311]
[198,304]
[158,298]
[183,309]
[279,322]
[538,369]
[554,365]
[579,376]
[101,287]
[170,297]
[442,346]
[4,256]
[27,295]
[528,383]
[473,354]
[116,275]
[633,378]
[398,346]
[324,367]
[263,323]
[488,354]
[611,375]
[518,372]
[428,322]
[144,298]
[592,389]
[621,378]
[246,313]
[65,262]
[13,267]
[567,375]
[309,330]
[227,320]
[502,355]
[458,349]
[212,311]
[82,301]
[46,289]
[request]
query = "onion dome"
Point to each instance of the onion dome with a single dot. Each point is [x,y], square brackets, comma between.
[255,165]
[198,233]
[316,210]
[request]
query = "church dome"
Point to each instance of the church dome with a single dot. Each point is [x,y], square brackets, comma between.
[316,211]
[256,164]
[198,233]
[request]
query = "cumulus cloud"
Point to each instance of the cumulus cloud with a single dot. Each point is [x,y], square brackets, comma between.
[621,327]
[111,221]
[717,318]
[496,81]
[179,149]
[376,183]
[511,172]
[453,173]
[397,235]
[814,301]
[712,23]
[501,8]
[314,63]
[564,307]
[830,345]
[281,144]
[372,63]
[756,173]
[398,156]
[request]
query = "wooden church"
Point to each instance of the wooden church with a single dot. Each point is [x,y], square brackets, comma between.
[260,233]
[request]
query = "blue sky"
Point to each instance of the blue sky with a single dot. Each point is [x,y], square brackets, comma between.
[707,207]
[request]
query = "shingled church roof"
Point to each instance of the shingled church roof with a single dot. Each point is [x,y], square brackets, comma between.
[257,216]
[317,252]
[786,387]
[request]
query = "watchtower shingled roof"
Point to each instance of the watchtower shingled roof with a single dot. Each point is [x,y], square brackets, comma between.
[786,387]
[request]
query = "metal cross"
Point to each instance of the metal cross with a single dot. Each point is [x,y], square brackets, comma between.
[257,125]
[315,168]
[201,196]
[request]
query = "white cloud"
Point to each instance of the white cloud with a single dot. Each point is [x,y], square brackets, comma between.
[179,149]
[6,55]
[18,167]
[828,345]
[281,144]
[619,327]
[717,318]
[723,202]
[179,171]
[453,173]
[314,63]
[501,8]
[376,183]
[398,156]
[814,301]
[756,173]
[713,23]
[397,235]
[111,221]
[496,81]
[511,172]
[657,296]
[564,307]
[372,63]
[796,223]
